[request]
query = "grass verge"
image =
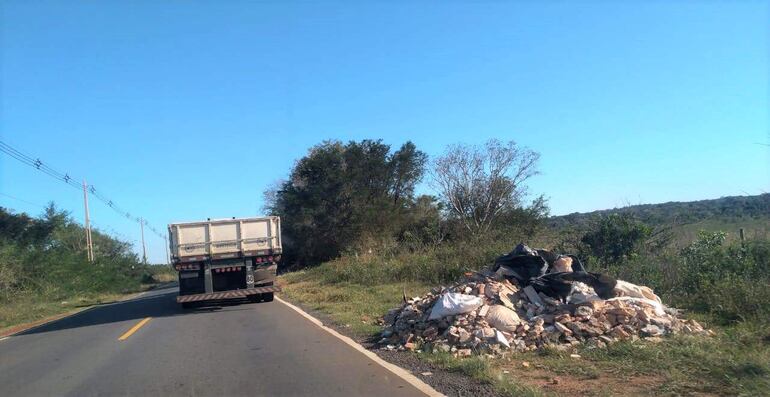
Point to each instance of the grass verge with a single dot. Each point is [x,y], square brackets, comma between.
[30,307]
[352,306]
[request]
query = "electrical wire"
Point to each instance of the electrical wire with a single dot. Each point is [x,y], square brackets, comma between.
[22,200]
[66,178]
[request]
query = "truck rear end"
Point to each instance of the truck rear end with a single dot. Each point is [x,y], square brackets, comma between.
[226,259]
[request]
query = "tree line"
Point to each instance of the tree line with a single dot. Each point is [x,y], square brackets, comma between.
[45,255]
[360,196]
[678,213]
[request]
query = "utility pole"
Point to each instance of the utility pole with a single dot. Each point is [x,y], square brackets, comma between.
[168,260]
[144,247]
[89,242]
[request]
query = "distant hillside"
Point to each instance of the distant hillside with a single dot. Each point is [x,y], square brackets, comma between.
[726,214]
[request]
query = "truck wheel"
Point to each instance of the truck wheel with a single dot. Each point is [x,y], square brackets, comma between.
[268,297]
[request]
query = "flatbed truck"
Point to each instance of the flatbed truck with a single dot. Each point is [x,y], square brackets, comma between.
[226,259]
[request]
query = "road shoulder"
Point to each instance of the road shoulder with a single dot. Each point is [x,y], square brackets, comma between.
[440,380]
[396,370]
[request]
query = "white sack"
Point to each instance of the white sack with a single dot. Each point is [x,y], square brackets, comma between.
[624,288]
[503,318]
[657,306]
[582,293]
[453,303]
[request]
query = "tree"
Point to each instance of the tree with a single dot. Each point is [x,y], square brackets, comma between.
[408,167]
[340,194]
[478,184]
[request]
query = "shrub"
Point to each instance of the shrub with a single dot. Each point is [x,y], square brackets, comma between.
[615,238]
[730,282]
[45,256]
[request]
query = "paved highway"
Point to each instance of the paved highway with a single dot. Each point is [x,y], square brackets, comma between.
[150,346]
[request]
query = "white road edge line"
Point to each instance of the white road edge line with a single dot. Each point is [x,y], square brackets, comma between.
[396,370]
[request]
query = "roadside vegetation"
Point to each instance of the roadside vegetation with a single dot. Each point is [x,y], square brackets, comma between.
[44,270]
[481,209]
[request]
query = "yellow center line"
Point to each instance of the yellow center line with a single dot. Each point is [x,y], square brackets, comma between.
[134,329]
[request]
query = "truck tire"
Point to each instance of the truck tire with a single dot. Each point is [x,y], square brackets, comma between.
[268,297]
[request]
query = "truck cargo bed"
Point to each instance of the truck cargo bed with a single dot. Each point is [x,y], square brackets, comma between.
[225,238]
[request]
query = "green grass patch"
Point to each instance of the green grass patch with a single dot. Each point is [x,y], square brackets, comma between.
[735,362]
[349,305]
[483,369]
[27,308]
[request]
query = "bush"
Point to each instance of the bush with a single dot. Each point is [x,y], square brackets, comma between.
[615,238]
[45,256]
[729,282]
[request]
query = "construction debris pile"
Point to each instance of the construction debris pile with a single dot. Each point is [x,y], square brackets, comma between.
[529,300]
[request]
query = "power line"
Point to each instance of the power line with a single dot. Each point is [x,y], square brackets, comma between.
[22,200]
[39,165]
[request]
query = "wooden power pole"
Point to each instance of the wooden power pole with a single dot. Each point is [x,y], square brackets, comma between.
[168,260]
[144,247]
[89,241]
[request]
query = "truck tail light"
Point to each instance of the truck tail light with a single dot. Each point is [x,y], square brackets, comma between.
[186,267]
[228,269]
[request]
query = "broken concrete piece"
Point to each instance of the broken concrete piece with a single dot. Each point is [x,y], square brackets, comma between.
[562,328]
[532,295]
[584,311]
[500,337]
[651,330]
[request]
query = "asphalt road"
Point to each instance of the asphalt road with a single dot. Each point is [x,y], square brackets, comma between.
[256,349]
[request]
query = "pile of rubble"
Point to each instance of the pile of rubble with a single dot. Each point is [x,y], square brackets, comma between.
[503,308]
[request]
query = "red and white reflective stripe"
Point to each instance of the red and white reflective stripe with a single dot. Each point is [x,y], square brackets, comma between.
[228,294]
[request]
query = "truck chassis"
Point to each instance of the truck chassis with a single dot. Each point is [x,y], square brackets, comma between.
[227,279]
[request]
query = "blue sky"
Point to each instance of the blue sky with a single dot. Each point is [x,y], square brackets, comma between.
[186,110]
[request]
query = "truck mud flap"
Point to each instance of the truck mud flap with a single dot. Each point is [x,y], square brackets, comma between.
[235,294]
